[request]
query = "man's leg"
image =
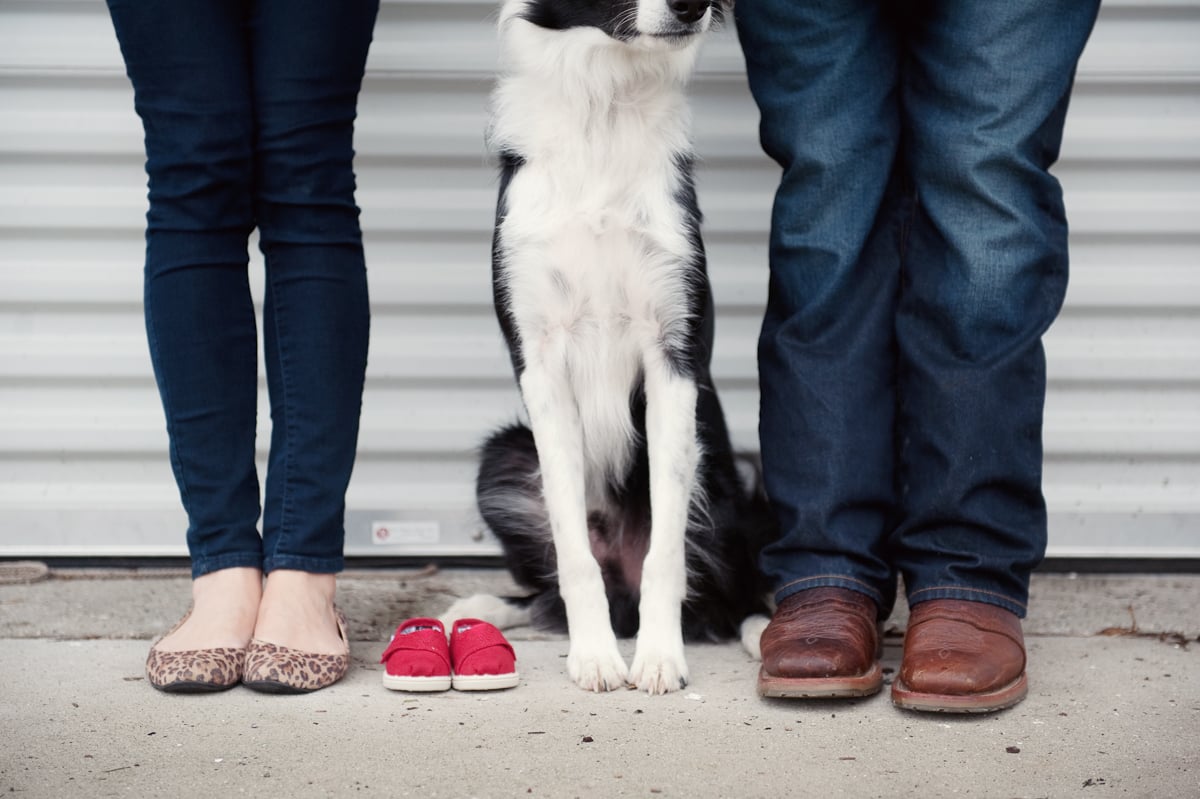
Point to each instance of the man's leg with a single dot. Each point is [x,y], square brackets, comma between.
[985,94]
[825,78]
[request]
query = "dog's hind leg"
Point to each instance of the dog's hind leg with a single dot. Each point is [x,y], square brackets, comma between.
[659,664]
[593,660]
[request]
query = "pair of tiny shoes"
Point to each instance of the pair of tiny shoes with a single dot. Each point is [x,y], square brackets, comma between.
[477,657]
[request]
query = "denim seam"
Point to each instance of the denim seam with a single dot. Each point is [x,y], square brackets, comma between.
[867,586]
[906,214]
[205,565]
[304,563]
[967,590]
[288,428]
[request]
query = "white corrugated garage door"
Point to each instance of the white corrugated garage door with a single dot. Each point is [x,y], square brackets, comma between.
[83,467]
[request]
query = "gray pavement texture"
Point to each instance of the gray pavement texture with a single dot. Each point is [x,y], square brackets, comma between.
[1113,710]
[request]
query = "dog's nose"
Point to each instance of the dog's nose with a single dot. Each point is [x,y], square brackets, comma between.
[688,11]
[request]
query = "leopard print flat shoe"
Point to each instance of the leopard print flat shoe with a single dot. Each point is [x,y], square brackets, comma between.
[194,671]
[275,669]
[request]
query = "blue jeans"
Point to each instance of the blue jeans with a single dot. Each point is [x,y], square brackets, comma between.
[248,108]
[918,254]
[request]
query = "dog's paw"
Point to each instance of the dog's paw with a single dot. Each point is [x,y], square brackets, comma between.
[751,634]
[659,669]
[597,668]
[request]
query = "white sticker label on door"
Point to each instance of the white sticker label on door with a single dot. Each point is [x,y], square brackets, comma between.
[392,533]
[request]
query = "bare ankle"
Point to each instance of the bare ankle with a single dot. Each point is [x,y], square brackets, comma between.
[297,611]
[321,587]
[224,609]
[237,581]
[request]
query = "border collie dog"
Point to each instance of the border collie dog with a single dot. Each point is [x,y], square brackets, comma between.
[623,509]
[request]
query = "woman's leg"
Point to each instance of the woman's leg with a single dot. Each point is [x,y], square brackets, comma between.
[308,58]
[188,65]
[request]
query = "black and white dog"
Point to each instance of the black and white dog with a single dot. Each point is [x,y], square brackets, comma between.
[623,508]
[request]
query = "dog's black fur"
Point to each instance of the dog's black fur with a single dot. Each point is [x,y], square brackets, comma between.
[725,585]
[725,534]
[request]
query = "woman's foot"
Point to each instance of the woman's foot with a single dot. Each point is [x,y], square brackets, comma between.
[297,612]
[224,609]
[299,642]
[206,650]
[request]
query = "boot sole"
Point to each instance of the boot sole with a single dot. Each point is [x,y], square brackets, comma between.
[820,687]
[1006,697]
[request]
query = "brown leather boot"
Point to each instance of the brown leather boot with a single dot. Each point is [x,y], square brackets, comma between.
[961,657]
[821,642]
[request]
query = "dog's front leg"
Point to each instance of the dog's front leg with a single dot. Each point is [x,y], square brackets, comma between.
[593,661]
[659,665]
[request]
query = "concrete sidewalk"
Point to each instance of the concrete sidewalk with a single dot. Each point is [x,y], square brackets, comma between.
[1114,709]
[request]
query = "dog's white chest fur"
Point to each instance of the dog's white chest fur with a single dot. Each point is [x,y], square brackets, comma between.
[596,245]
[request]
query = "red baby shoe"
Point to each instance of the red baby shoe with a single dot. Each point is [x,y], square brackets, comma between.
[483,659]
[418,658]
